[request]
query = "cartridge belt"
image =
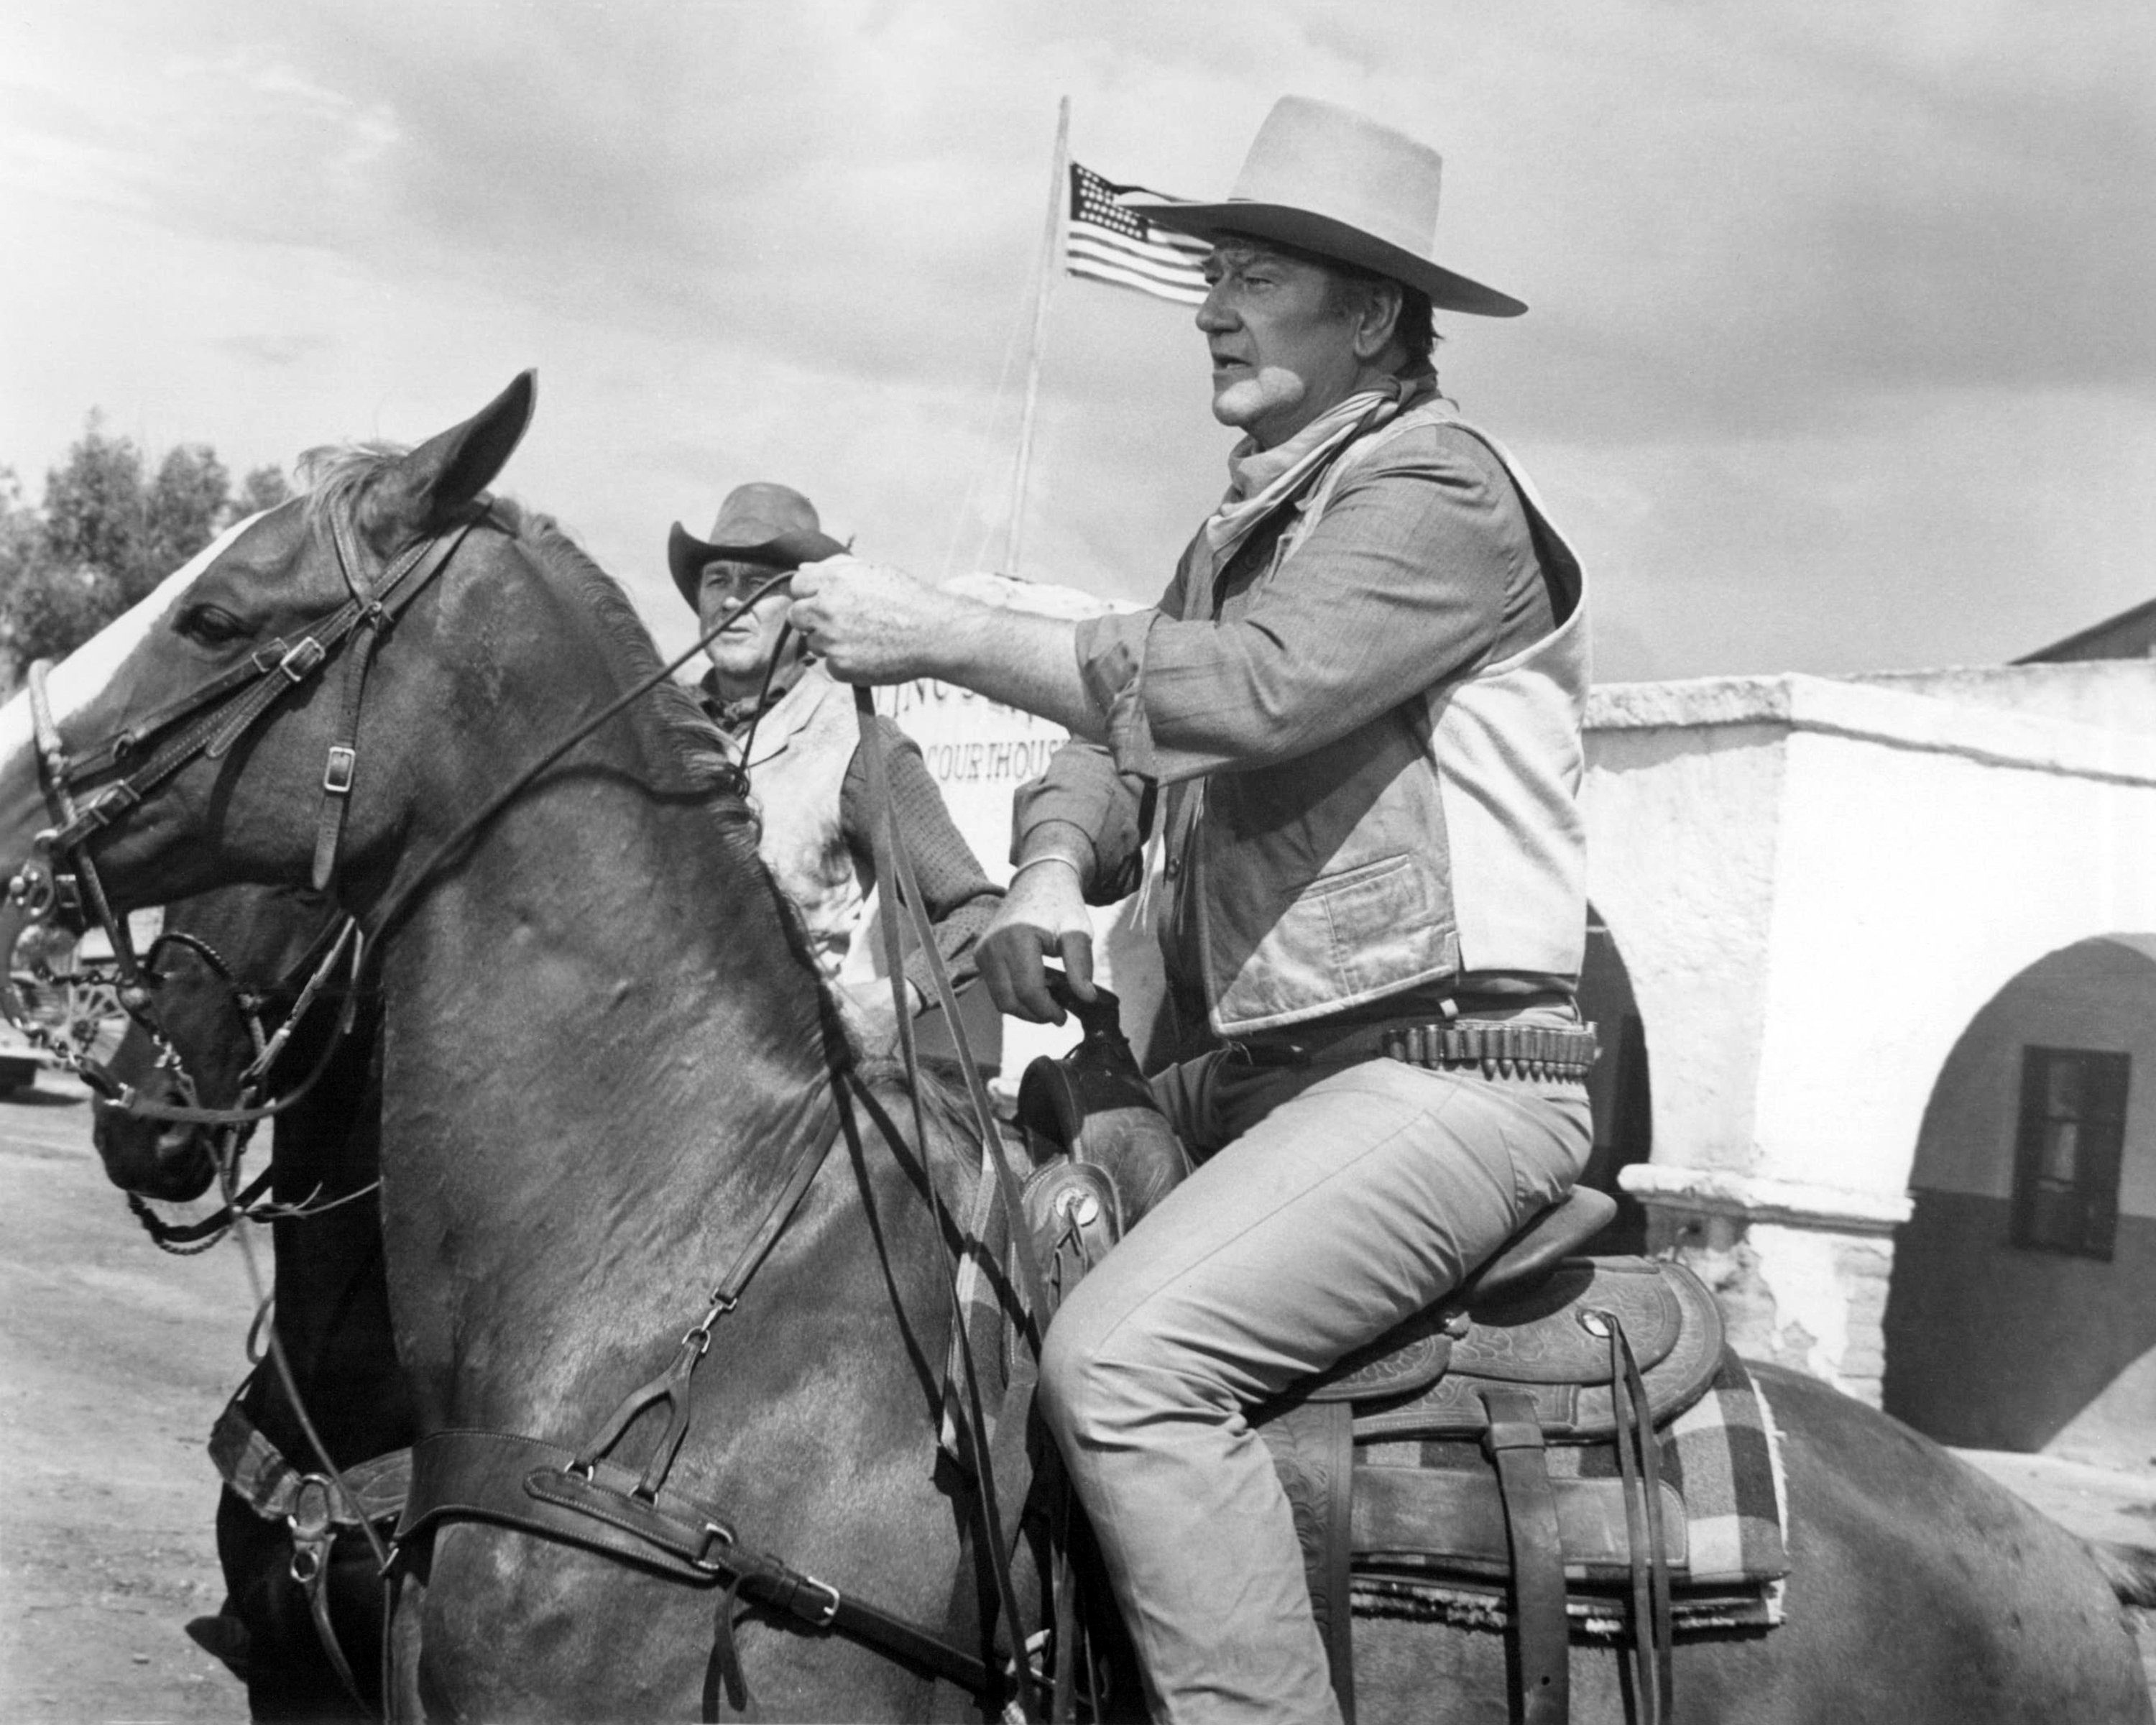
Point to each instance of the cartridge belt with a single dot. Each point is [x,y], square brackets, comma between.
[1497,1048]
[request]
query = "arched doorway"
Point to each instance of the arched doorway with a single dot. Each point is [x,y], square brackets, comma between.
[1624,1111]
[2022,1310]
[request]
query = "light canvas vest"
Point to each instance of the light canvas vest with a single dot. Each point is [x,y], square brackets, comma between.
[1442,838]
[801,749]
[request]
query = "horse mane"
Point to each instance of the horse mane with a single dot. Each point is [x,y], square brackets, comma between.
[692,738]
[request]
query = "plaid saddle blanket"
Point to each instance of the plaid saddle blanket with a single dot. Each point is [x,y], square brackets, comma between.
[1722,1472]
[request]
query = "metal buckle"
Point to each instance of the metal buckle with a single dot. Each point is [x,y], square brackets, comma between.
[715,1533]
[300,662]
[313,1513]
[830,1612]
[306,1559]
[109,802]
[337,775]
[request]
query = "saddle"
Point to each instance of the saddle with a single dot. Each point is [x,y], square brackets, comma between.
[1539,1347]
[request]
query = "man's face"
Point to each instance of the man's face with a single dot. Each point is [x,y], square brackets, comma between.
[744,647]
[1282,354]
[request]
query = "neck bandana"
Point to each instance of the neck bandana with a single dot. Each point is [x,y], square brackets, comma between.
[1259,479]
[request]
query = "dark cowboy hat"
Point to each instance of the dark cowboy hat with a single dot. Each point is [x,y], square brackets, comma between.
[771,527]
[1325,180]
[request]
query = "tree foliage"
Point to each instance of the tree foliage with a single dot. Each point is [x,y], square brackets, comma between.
[108,531]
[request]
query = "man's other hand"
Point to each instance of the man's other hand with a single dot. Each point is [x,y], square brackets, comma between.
[1043,914]
[870,622]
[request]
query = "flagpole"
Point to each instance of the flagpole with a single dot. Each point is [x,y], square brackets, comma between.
[1050,258]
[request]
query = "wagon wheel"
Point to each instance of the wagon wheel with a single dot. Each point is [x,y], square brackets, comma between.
[72,1011]
[94,1019]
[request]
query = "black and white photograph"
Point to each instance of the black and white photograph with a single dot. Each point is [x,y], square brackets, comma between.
[965,861]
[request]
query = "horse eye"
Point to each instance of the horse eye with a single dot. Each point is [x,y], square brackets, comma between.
[212,625]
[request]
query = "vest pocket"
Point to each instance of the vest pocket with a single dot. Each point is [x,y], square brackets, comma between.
[1377,921]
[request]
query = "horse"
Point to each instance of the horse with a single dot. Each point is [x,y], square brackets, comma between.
[258,945]
[606,1057]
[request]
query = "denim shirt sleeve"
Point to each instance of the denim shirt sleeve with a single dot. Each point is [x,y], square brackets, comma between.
[1406,581]
[1084,809]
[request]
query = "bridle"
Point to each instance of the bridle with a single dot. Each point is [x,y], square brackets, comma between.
[206,722]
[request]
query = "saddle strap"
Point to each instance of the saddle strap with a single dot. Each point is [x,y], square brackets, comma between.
[536,1487]
[1339,1623]
[1514,1440]
[316,1511]
[311,1569]
[1640,1473]
[256,1473]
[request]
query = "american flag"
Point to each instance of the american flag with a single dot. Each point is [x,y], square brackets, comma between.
[1106,240]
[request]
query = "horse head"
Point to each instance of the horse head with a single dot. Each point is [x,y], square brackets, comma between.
[224,972]
[184,746]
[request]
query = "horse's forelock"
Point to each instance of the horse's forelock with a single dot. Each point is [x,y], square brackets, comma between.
[336,475]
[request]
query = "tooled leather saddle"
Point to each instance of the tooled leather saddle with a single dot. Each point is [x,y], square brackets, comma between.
[1540,1347]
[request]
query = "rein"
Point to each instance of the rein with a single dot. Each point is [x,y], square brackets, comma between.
[894,863]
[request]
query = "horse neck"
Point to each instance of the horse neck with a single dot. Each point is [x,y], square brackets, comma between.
[600,1042]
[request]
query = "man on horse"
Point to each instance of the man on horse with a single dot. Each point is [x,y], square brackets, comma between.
[783,718]
[1353,718]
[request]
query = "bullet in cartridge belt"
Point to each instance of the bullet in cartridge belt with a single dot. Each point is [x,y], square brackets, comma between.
[1501,1049]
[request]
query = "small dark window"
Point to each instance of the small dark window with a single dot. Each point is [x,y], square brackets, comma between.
[2066,1152]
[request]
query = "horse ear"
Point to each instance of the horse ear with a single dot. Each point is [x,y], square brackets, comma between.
[425,488]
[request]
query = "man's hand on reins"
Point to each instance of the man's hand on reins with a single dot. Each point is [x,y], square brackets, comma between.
[873,624]
[1043,914]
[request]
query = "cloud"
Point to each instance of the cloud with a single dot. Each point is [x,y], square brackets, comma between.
[282,350]
[1786,263]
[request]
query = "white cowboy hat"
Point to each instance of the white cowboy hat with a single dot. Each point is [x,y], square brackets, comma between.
[1327,180]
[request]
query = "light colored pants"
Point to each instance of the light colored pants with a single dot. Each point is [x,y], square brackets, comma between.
[1346,1199]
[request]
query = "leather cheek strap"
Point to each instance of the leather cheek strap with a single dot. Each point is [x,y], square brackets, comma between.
[377,611]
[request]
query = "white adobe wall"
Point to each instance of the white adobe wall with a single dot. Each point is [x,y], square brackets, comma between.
[1815,887]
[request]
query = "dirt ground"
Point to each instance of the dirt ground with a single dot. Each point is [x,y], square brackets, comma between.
[115,1357]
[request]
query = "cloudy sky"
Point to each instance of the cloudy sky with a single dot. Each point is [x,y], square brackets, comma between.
[1842,353]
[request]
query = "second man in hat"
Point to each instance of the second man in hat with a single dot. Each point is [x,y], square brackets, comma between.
[796,733]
